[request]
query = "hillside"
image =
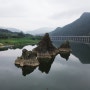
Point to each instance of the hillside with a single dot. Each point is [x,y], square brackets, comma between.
[80,27]
[5,33]
[13,30]
[40,31]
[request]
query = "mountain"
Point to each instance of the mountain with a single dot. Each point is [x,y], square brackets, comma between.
[13,29]
[40,31]
[5,33]
[80,27]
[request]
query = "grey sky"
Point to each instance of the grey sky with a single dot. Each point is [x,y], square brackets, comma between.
[33,14]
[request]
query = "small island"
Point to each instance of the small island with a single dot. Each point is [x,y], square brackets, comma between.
[45,49]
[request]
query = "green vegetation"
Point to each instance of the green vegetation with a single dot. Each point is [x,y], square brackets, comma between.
[20,41]
[16,39]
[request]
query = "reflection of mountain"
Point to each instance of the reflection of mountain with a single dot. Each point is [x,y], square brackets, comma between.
[27,70]
[45,65]
[82,51]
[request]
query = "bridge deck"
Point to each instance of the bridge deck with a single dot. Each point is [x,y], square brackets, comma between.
[83,39]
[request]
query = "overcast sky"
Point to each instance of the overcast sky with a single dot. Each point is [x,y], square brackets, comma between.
[33,14]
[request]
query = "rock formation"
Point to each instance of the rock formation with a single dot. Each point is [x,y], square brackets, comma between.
[28,58]
[65,45]
[65,48]
[44,50]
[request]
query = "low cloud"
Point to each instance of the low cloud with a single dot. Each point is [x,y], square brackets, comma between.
[31,14]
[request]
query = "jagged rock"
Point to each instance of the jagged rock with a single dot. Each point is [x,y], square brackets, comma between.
[24,62]
[65,45]
[43,55]
[45,47]
[28,54]
[28,58]
[65,48]
[45,44]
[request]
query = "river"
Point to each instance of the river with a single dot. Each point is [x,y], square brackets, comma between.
[60,74]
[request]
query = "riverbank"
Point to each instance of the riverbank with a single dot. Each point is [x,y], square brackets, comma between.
[17,42]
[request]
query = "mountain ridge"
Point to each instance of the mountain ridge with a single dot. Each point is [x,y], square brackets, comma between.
[79,27]
[40,31]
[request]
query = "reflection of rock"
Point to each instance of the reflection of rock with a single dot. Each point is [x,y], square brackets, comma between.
[27,70]
[65,55]
[45,48]
[45,64]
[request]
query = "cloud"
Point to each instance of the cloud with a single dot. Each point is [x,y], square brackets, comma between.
[66,14]
[40,13]
[11,9]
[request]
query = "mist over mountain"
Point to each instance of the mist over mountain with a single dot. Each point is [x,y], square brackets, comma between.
[80,27]
[40,31]
[11,29]
[5,33]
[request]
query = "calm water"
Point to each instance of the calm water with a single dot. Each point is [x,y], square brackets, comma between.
[60,74]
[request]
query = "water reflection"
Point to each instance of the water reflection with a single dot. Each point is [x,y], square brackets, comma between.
[65,55]
[81,51]
[62,74]
[11,47]
[26,69]
[45,64]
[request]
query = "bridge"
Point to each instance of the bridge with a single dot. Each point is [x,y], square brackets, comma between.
[82,39]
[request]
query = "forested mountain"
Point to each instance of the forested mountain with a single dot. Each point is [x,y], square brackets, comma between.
[4,33]
[80,27]
[13,30]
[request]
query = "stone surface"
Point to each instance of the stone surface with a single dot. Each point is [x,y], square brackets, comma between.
[44,50]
